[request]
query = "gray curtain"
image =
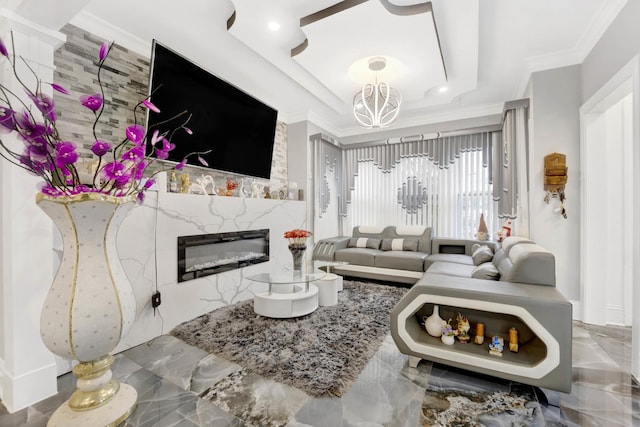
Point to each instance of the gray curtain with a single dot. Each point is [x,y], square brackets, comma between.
[511,148]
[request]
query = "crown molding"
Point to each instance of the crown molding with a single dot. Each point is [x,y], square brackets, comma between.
[596,28]
[107,31]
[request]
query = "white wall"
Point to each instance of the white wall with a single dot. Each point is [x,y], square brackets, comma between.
[27,368]
[555,125]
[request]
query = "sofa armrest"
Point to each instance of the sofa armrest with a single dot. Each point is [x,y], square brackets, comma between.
[443,245]
[325,249]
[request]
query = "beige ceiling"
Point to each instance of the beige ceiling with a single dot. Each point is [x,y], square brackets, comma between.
[489,48]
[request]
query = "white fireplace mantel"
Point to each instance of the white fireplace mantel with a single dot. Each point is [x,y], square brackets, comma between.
[147,245]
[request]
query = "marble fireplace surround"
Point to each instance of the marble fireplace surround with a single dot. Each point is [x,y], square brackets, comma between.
[147,245]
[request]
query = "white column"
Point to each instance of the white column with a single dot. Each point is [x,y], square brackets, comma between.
[27,368]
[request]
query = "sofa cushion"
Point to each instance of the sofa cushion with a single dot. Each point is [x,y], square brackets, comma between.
[364,242]
[358,256]
[528,263]
[481,254]
[455,258]
[486,271]
[401,260]
[451,269]
[422,234]
[399,245]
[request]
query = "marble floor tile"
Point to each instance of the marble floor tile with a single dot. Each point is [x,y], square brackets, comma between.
[179,385]
[171,358]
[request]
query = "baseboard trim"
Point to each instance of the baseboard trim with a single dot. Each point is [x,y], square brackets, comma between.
[576,313]
[29,388]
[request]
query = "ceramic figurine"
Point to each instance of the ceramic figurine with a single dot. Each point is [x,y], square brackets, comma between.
[463,328]
[256,190]
[185,183]
[496,346]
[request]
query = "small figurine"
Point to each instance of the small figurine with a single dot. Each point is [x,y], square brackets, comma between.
[256,190]
[505,230]
[479,338]
[185,183]
[463,328]
[496,346]
[483,232]
[231,185]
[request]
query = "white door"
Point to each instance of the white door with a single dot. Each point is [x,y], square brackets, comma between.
[610,200]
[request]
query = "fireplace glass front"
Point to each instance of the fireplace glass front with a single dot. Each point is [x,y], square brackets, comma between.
[206,254]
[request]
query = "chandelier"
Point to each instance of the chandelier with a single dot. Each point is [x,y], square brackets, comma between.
[377,105]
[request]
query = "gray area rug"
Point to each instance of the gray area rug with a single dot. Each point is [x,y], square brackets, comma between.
[321,353]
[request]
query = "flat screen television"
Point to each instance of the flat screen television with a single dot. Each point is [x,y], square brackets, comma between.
[237,128]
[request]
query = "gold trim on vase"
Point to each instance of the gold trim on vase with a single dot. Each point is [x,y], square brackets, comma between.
[84,197]
[74,277]
[85,371]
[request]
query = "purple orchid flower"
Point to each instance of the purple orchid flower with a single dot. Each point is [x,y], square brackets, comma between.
[92,102]
[104,50]
[59,88]
[135,154]
[100,148]
[43,103]
[135,134]
[65,154]
[139,170]
[50,191]
[150,106]
[140,197]
[149,183]
[118,173]
[180,165]
[113,170]
[3,49]
[7,119]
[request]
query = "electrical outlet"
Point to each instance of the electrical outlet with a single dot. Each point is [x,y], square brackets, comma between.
[155,299]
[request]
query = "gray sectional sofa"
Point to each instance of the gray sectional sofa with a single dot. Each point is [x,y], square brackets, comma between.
[454,274]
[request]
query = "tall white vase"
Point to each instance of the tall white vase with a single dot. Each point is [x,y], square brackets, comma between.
[89,307]
[433,323]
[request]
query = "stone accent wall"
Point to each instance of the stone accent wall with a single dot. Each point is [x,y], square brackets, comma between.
[126,81]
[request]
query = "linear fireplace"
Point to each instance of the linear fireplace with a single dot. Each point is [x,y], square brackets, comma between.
[206,254]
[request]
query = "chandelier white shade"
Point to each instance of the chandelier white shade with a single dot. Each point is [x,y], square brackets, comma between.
[377,105]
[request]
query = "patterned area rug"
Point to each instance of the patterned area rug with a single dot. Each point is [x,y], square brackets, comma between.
[321,353]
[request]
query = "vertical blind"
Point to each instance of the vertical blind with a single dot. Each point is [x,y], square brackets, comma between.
[443,183]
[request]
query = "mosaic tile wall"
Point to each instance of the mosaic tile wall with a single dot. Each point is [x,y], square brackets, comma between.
[125,79]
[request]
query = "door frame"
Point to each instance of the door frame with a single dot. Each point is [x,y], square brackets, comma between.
[625,81]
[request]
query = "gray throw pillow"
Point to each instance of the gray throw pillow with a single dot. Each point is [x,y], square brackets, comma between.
[481,255]
[486,271]
[364,242]
[399,245]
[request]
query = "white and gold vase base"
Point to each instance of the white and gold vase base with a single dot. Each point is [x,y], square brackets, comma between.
[112,413]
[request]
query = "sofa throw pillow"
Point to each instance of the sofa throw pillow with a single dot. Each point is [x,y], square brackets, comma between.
[364,242]
[481,255]
[399,245]
[486,271]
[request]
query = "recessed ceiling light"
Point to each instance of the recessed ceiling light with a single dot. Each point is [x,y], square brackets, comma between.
[274,26]
[443,89]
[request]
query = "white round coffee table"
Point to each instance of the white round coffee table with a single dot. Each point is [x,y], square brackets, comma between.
[290,294]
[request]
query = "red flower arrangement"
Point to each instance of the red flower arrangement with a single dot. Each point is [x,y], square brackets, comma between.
[297,236]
